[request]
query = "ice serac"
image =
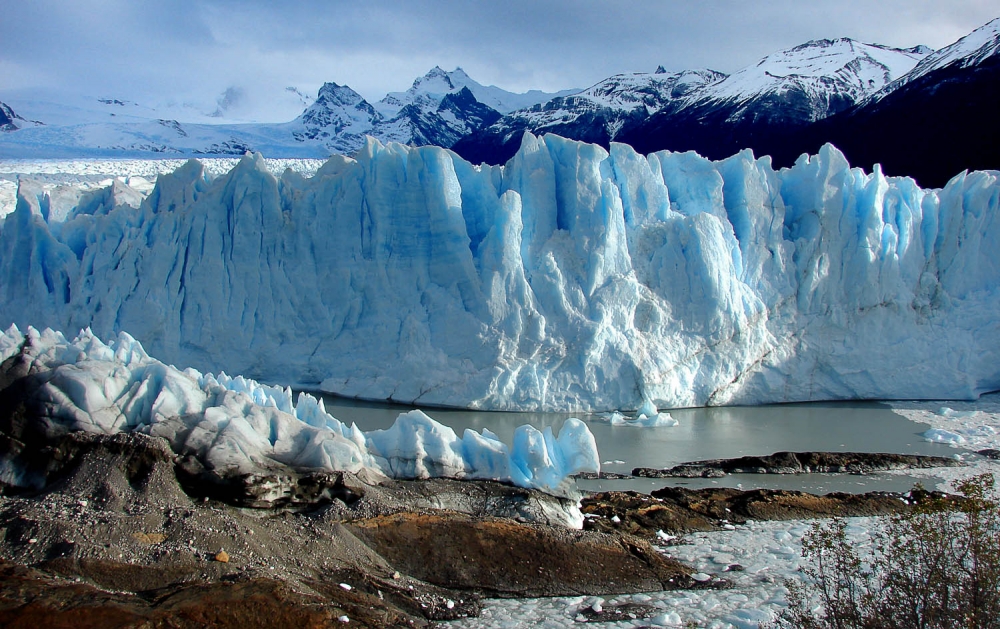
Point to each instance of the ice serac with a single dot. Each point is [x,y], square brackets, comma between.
[236,426]
[571,278]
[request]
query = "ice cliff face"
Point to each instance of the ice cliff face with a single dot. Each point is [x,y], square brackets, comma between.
[571,278]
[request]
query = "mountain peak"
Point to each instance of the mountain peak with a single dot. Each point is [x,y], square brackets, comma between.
[971,50]
[820,43]
[435,83]
[7,118]
[331,89]
[859,69]
[339,116]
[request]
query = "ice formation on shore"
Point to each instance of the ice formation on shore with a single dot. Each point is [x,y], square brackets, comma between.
[571,278]
[237,426]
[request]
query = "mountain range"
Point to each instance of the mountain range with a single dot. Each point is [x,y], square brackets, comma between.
[704,110]
[919,112]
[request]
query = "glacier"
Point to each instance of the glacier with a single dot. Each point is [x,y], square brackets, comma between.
[571,278]
[235,426]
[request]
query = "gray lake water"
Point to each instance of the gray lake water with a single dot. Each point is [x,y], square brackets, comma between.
[706,433]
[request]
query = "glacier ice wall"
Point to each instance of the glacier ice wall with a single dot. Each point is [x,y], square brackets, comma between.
[571,278]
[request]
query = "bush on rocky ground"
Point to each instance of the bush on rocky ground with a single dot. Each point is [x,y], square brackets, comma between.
[937,567]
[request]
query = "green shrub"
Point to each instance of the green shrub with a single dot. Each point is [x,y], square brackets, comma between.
[937,567]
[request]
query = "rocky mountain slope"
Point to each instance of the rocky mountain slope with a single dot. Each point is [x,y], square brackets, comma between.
[439,108]
[10,121]
[710,112]
[931,123]
[599,114]
[922,113]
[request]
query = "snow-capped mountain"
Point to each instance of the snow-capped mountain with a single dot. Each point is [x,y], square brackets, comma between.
[972,50]
[338,119]
[598,114]
[8,119]
[11,121]
[933,122]
[788,103]
[433,86]
[439,108]
[435,110]
[442,107]
[808,82]
[441,124]
[705,110]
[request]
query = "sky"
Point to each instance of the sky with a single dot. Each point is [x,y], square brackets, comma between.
[193,50]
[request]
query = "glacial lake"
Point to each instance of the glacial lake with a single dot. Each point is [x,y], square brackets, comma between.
[705,433]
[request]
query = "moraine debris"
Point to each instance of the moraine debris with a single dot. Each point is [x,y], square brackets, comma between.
[800,463]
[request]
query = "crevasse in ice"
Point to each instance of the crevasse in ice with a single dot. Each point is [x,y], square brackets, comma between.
[571,278]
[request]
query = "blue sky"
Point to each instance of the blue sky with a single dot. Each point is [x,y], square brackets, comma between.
[156,49]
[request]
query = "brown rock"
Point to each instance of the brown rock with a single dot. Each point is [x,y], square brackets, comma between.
[504,558]
[222,556]
[640,514]
[121,576]
[30,598]
[149,538]
[799,463]
[681,510]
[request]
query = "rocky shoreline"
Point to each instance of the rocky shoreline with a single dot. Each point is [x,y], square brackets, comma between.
[114,540]
[120,536]
[799,463]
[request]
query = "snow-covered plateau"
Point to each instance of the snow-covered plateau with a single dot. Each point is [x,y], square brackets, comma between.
[236,426]
[572,278]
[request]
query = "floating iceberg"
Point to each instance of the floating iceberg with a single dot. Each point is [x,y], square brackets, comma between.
[953,414]
[657,420]
[940,435]
[571,278]
[237,426]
